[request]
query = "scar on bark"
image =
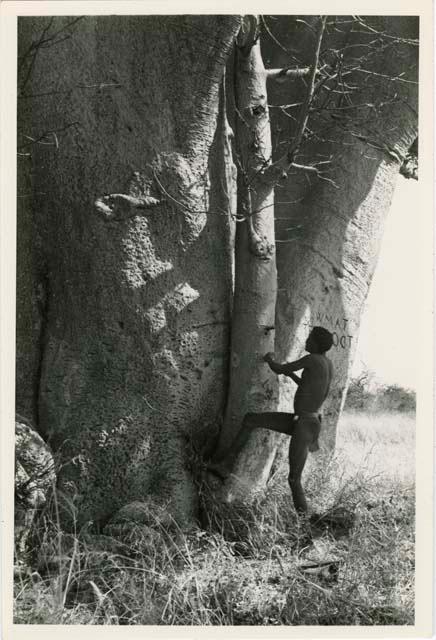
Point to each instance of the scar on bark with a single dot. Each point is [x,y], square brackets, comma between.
[119,206]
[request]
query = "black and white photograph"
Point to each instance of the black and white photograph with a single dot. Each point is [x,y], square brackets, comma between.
[221,336]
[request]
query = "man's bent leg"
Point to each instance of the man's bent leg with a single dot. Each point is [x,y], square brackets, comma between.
[279,422]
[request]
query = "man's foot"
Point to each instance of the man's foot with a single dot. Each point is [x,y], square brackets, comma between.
[305,538]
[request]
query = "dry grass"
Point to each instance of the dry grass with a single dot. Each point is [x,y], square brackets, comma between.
[246,565]
[380,444]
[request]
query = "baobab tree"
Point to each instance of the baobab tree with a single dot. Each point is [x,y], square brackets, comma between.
[193,192]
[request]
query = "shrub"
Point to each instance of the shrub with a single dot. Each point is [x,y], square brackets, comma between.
[364,395]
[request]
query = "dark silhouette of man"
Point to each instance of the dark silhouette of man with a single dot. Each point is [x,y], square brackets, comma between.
[303,425]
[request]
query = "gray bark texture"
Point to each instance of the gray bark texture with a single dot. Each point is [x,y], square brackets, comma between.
[124,276]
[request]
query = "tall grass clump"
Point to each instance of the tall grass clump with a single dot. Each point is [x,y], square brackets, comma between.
[248,563]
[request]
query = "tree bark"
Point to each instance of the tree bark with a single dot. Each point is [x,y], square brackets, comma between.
[252,387]
[129,374]
[328,238]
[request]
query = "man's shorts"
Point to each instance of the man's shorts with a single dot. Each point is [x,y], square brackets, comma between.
[312,427]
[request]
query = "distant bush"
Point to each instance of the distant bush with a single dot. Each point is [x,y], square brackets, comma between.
[396,398]
[364,395]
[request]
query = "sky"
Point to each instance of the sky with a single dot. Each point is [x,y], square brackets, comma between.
[388,339]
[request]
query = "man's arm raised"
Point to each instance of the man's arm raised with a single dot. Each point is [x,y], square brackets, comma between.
[288,368]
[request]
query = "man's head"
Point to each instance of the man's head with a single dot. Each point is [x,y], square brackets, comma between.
[319,341]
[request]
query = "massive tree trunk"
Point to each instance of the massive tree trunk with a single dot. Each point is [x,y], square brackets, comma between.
[124,300]
[328,240]
[124,279]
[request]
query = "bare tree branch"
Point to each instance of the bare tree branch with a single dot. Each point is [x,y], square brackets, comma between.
[310,168]
[43,42]
[280,75]
[34,47]
[41,139]
[304,116]
[383,34]
[397,78]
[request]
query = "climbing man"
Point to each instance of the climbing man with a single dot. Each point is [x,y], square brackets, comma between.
[303,425]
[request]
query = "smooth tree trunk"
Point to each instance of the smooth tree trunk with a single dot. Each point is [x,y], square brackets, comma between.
[329,227]
[252,386]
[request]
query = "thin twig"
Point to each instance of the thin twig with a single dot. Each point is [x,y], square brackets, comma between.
[383,75]
[34,45]
[267,29]
[44,135]
[383,34]
[309,95]
[35,48]
[313,169]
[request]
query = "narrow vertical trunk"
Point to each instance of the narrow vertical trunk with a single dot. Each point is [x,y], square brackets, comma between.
[252,385]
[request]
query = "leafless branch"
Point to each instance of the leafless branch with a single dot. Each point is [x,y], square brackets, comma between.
[285,106]
[310,168]
[397,78]
[412,41]
[239,218]
[272,36]
[43,42]
[42,138]
[304,116]
[281,75]
[308,25]
[34,45]
[287,50]
[33,49]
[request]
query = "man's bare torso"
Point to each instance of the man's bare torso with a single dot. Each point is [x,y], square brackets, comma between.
[315,383]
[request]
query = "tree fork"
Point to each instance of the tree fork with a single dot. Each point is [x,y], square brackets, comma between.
[252,386]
